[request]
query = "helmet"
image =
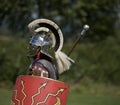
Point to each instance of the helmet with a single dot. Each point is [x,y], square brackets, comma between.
[38,43]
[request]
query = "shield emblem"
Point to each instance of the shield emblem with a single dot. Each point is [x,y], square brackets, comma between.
[33,90]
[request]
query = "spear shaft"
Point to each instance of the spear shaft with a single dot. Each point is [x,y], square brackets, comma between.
[85,28]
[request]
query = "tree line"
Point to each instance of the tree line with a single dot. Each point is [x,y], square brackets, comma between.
[70,15]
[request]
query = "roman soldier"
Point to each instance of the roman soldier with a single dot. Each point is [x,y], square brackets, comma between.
[41,85]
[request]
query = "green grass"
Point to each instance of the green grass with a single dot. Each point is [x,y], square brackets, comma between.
[89,99]
[5,97]
[74,98]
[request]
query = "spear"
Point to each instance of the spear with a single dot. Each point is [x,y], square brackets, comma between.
[85,28]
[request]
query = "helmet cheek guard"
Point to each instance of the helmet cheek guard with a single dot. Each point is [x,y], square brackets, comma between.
[48,33]
[33,50]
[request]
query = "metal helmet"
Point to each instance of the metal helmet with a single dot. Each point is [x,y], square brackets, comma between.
[38,43]
[47,36]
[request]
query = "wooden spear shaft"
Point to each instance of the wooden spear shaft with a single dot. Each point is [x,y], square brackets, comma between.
[85,28]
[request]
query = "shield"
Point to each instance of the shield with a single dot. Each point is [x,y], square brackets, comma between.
[33,90]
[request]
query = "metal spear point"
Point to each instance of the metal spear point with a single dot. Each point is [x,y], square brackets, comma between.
[85,28]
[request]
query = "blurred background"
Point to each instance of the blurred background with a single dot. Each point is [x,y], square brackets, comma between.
[94,78]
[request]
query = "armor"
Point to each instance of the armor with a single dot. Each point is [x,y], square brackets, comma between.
[43,68]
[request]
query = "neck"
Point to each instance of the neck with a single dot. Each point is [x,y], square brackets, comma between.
[37,55]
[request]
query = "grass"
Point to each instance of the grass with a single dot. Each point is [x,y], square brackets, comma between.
[89,99]
[74,98]
[5,97]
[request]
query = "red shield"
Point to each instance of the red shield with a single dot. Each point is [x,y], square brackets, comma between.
[33,90]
